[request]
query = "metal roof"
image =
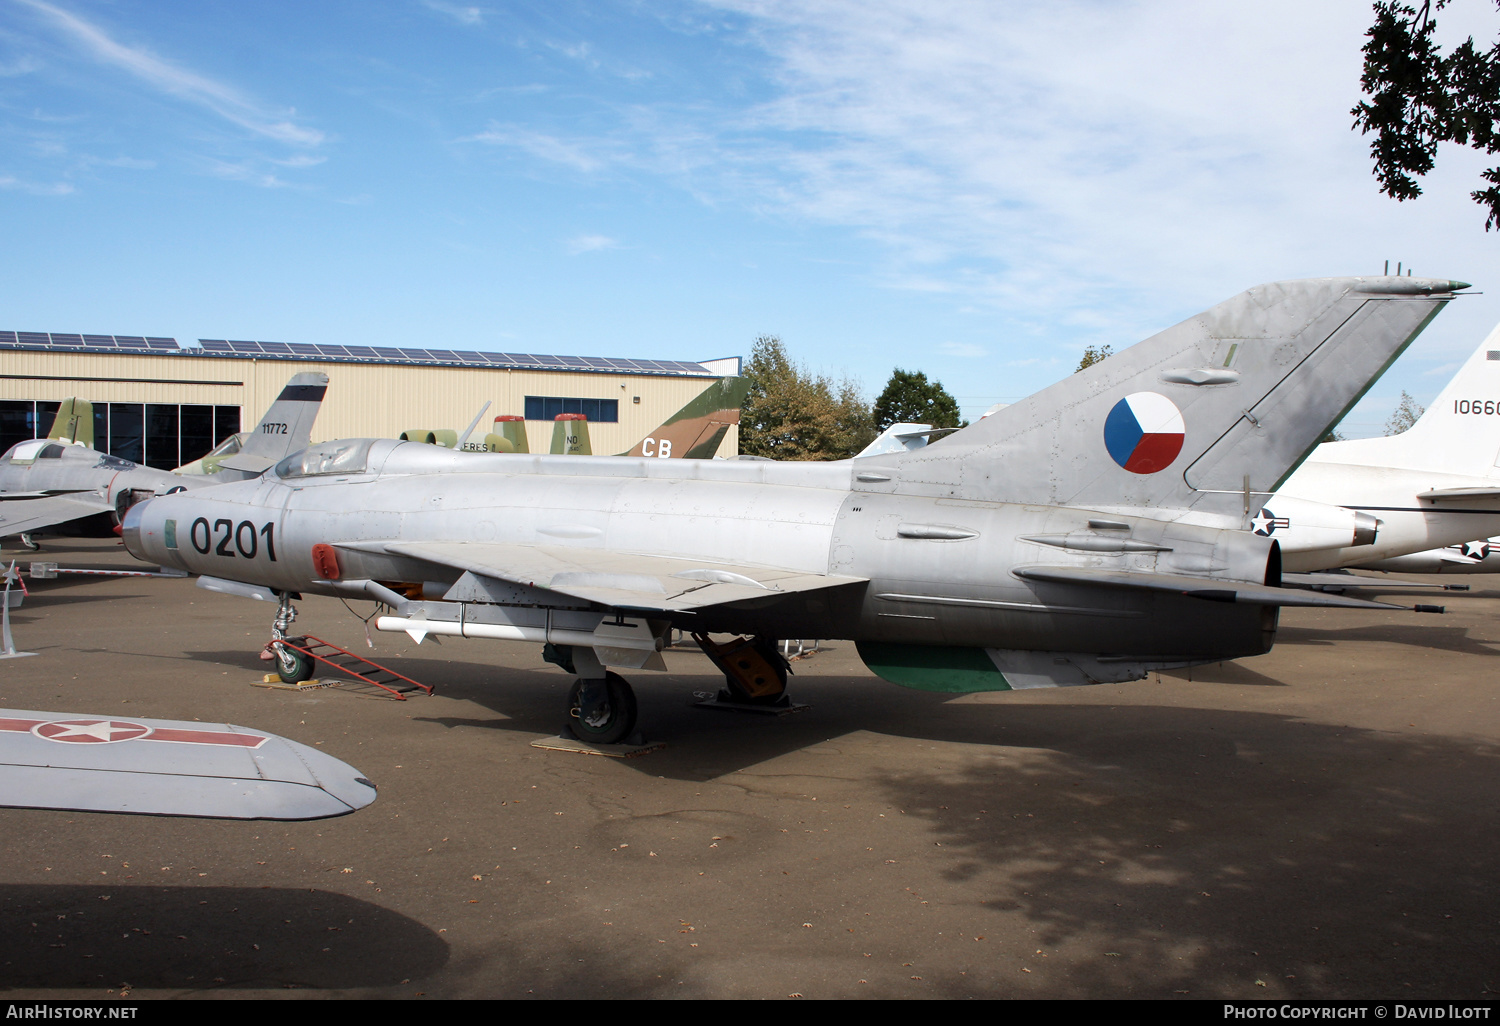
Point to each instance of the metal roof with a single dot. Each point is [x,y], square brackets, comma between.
[245,350]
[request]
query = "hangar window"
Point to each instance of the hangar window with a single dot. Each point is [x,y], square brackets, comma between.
[547,407]
[161,435]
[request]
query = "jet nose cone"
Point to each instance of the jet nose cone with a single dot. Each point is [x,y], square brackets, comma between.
[130,530]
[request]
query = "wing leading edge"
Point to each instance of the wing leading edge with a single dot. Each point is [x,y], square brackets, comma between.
[620,579]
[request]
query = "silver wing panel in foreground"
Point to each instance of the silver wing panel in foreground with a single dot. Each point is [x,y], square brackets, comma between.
[54,760]
[620,579]
[20,515]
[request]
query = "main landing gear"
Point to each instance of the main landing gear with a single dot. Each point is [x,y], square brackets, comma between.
[602,707]
[754,670]
[601,703]
[602,711]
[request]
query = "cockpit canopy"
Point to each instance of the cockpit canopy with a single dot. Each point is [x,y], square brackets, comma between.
[35,449]
[345,456]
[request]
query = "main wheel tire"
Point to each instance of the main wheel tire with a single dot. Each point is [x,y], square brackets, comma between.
[619,721]
[292,666]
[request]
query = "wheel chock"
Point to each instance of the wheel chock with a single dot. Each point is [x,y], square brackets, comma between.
[628,749]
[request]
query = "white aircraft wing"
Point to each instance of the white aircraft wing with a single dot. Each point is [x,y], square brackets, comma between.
[620,579]
[52,760]
[19,515]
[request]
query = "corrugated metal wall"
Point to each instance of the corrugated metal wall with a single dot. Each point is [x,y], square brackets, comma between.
[379,400]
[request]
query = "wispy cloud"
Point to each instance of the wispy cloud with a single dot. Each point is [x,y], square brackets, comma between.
[1082,166]
[967,350]
[459,13]
[581,155]
[246,173]
[23,65]
[590,244]
[55,189]
[224,100]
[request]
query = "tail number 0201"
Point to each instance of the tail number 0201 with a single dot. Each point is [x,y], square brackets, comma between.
[243,538]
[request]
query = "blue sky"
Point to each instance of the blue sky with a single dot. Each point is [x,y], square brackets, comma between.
[975,190]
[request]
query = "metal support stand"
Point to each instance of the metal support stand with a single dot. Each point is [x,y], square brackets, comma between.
[8,651]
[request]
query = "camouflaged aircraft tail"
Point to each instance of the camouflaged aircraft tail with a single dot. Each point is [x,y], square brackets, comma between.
[696,431]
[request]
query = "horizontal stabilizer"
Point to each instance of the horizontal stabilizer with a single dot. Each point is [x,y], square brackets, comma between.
[169,768]
[1458,495]
[1336,580]
[620,579]
[247,462]
[1208,588]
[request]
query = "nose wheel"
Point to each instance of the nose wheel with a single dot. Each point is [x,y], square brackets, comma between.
[292,666]
[601,711]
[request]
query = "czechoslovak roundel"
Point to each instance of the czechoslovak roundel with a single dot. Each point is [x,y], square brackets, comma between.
[1144,432]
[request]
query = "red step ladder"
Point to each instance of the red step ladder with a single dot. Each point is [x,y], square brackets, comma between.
[361,669]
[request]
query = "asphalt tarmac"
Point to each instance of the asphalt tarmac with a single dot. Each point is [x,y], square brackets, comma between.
[1319,822]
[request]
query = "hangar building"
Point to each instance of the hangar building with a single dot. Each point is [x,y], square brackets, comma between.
[163,404]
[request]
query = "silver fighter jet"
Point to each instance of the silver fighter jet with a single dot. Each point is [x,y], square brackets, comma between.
[45,484]
[1093,532]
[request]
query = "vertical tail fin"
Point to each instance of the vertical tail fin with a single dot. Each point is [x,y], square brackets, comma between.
[509,434]
[286,428]
[74,422]
[1459,433]
[1210,415]
[570,435]
[695,431]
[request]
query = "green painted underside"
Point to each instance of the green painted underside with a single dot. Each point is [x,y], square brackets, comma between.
[933,667]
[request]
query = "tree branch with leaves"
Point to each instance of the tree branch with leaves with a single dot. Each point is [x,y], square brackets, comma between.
[1420,97]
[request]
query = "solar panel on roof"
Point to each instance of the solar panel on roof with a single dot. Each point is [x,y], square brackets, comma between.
[162,343]
[244,347]
[215,345]
[130,340]
[33,337]
[275,348]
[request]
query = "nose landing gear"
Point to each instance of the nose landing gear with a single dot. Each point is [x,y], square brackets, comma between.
[292,667]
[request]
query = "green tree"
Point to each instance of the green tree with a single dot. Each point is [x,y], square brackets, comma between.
[909,398]
[1420,96]
[792,414]
[1092,355]
[1407,412]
